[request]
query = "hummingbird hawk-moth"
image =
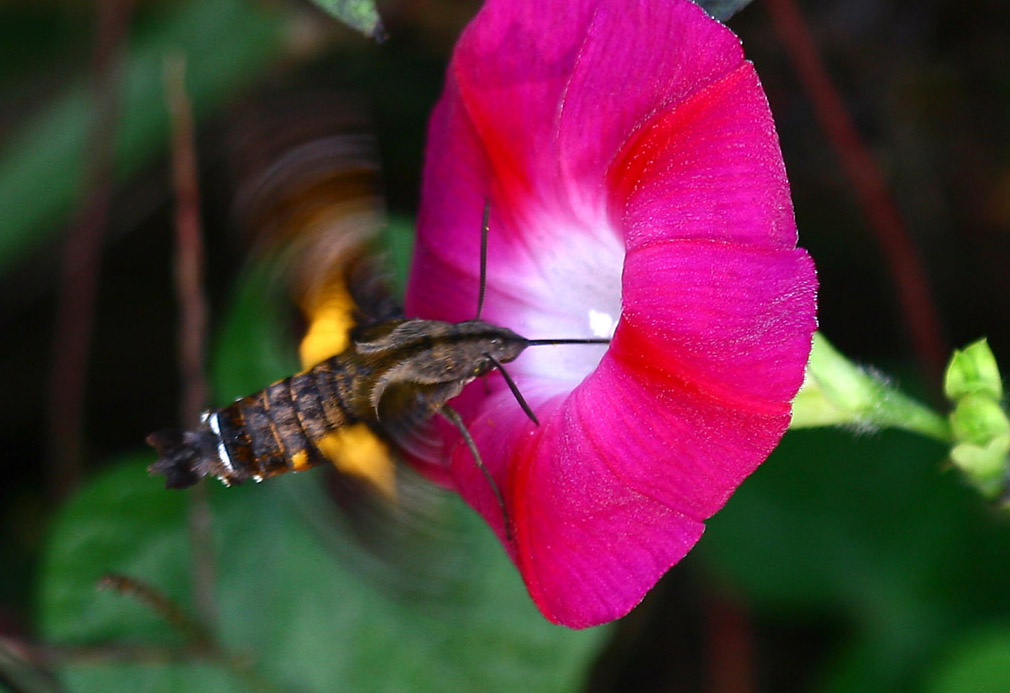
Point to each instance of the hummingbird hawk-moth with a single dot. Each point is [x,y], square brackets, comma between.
[393,375]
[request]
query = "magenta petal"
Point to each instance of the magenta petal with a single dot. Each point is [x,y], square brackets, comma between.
[634,178]
[710,168]
[614,489]
[675,53]
[735,321]
[588,545]
[455,187]
[512,66]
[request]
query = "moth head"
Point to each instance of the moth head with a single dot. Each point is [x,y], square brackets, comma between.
[488,345]
[435,360]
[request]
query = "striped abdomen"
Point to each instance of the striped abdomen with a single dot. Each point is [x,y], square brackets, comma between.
[277,430]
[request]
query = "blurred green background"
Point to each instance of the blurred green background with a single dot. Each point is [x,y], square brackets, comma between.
[846,563]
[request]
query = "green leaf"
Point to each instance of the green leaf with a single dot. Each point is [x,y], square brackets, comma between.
[256,344]
[869,534]
[124,522]
[398,239]
[73,609]
[361,15]
[723,9]
[227,43]
[979,663]
[297,597]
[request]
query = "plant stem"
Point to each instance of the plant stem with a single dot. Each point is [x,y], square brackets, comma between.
[81,266]
[837,392]
[192,339]
[917,306]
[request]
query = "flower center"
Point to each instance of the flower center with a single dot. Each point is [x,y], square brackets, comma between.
[572,289]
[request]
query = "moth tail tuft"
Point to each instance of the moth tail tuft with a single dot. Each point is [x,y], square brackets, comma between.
[179,455]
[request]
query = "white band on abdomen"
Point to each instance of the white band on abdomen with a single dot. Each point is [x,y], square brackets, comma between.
[222,452]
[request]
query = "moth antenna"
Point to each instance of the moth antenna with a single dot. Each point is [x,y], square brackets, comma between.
[453,417]
[484,230]
[515,388]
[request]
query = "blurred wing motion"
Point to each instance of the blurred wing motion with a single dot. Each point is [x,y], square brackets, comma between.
[311,199]
[347,304]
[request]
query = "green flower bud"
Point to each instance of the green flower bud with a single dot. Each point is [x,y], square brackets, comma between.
[978,419]
[985,465]
[980,426]
[973,370]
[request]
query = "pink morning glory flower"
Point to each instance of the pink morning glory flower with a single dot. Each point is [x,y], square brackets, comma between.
[636,190]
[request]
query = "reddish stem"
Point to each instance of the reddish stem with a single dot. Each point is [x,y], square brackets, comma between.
[81,266]
[730,647]
[194,633]
[917,307]
[189,256]
[189,263]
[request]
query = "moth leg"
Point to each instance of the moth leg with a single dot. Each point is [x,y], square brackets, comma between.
[515,388]
[453,417]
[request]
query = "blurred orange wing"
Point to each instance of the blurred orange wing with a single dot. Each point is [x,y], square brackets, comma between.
[313,199]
